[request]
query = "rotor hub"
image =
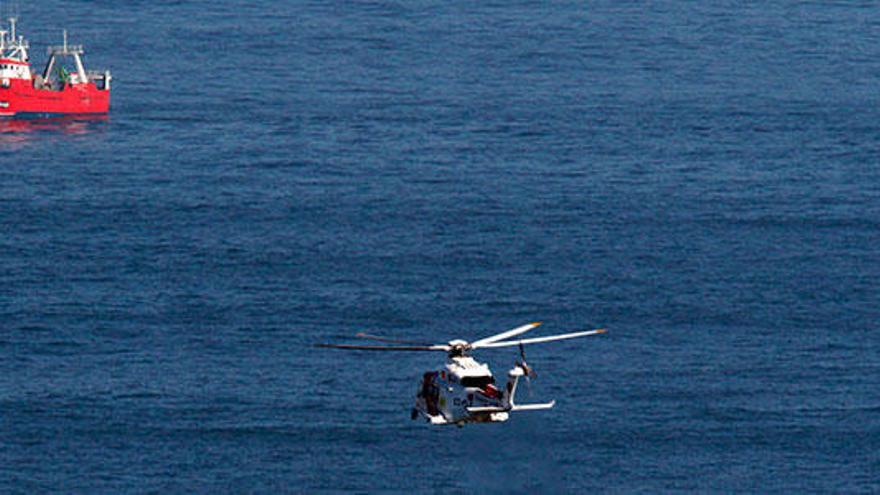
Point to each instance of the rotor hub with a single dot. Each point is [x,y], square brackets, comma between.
[458,347]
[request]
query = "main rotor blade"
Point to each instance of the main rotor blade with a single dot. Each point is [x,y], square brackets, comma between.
[384,347]
[505,335]
[393,341]
[536,340]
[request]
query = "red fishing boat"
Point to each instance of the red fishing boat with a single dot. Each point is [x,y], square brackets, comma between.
[59,90]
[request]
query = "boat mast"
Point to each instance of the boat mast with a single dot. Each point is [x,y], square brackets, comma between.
[76,58]
[14,43]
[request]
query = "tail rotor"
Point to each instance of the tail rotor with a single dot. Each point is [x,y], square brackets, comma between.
[527,370]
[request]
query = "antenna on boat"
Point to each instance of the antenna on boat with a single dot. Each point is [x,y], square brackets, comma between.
[12,21]
[3,34]
[65,41]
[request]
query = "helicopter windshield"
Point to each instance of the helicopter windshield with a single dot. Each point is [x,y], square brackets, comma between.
[477,381]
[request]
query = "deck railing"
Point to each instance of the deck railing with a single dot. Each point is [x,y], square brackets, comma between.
[96,74]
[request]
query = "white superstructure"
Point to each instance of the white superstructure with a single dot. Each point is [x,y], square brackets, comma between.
[14,59]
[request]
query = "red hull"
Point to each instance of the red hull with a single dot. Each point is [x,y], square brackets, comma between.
[22,98]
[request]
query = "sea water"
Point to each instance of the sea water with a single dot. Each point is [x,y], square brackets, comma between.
[700,178]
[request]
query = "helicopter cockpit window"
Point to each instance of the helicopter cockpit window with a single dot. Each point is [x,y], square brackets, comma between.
[477,381]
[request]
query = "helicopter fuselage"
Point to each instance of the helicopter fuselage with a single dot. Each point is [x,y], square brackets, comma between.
[464,391]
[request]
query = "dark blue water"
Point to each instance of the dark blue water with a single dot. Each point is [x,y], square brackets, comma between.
[700,178]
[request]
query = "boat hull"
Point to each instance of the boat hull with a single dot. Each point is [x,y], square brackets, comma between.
[19,97]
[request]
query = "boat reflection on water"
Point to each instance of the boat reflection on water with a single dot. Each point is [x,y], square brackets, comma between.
[18,132]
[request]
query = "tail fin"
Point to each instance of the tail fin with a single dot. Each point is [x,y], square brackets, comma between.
[513,377]
[507,399]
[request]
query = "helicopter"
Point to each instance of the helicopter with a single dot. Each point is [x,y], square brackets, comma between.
[464,390]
